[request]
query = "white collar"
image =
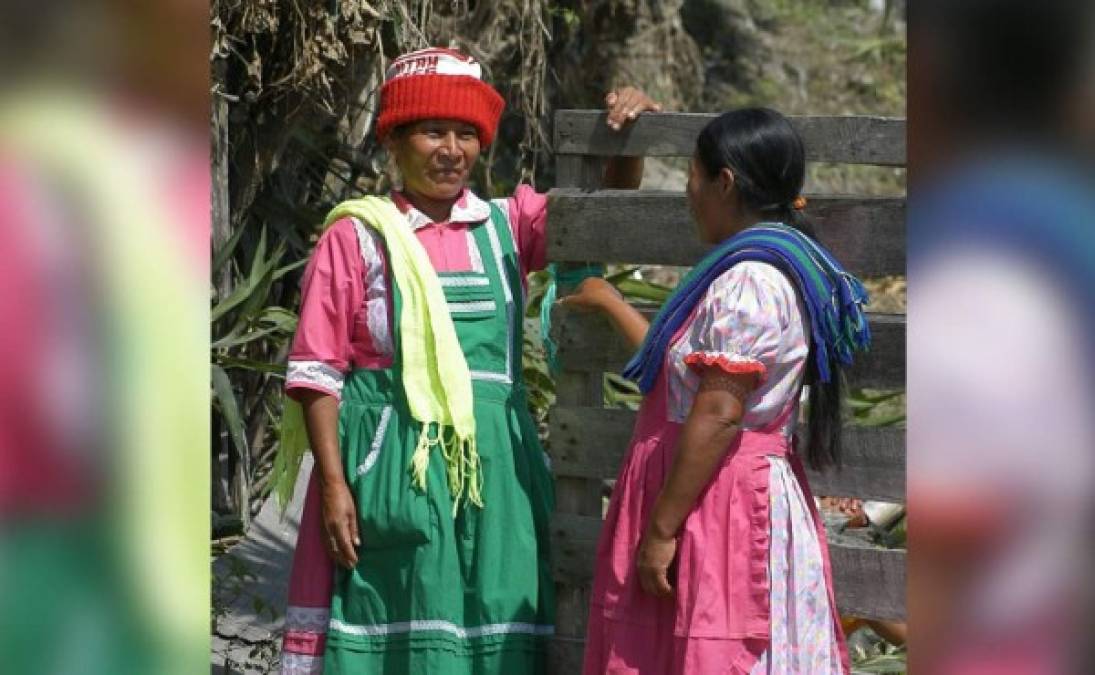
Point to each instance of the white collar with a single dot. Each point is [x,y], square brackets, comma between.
[468,209]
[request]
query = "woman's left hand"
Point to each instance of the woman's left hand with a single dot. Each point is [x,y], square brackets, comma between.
[654,559]
[625,104]
[593,294]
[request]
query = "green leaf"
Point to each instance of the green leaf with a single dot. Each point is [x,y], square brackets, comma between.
[635,289]
[537,286]
[882,663]
[255,288]
[277,320]
[279,316]
[620,392]
[856,404]
[251,365]
[289,268]
[229,408]
[237,337]
[537,379]
[241,293]
[883,421]
[878,396]
[259,260]
[618,400]
[622,383]
[292,444]
[617,277]
[224,253]
[260,297]
[256,291]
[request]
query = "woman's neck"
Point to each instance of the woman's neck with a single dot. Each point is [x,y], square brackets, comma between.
[437,210]
[739,224]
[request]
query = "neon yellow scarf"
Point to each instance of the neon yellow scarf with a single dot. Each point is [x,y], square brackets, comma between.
[434,372]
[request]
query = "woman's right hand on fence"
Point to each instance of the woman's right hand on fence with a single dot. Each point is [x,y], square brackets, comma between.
[625,104]
[340,523]
[593,294]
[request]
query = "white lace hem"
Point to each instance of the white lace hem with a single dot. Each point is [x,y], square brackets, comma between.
[315,374]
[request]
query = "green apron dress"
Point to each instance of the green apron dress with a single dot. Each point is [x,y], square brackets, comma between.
[433,592]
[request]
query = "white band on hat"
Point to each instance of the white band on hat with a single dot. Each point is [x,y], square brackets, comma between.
[433,61]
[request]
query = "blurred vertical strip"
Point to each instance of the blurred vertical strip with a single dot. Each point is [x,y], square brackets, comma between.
[1001,345]
[104,422]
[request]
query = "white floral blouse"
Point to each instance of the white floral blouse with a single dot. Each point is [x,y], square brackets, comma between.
[749,321]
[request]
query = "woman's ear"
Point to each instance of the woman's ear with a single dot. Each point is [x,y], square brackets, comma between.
[726,181]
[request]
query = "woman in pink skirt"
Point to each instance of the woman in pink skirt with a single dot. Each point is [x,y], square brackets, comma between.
[713,558]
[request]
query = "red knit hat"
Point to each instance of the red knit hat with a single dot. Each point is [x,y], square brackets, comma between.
[438,84]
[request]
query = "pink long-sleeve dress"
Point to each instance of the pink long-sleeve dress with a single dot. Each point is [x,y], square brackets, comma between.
[752,591]
[346,323]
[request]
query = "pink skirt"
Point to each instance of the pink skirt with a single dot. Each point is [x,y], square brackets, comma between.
[752,588]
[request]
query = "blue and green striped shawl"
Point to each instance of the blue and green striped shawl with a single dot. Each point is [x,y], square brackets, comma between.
[833,298]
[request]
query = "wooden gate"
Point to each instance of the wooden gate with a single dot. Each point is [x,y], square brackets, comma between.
[587,441]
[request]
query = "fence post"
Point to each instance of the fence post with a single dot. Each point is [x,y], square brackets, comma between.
[578,496]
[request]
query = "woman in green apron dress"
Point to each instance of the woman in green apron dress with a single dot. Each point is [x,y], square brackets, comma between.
[423,545]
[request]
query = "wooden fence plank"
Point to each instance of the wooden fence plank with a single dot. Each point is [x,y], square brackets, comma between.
[583,387]
[572,609]
[591,442]
[575,171]
[575,494]
[565,655]
[588,342]
[654,227]
[869,582]
[844,139]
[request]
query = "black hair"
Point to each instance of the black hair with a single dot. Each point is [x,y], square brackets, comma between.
[765,153]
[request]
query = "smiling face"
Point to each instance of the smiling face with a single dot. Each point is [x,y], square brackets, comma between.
[435,157]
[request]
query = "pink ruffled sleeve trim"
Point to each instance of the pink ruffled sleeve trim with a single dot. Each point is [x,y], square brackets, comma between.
[730,364]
